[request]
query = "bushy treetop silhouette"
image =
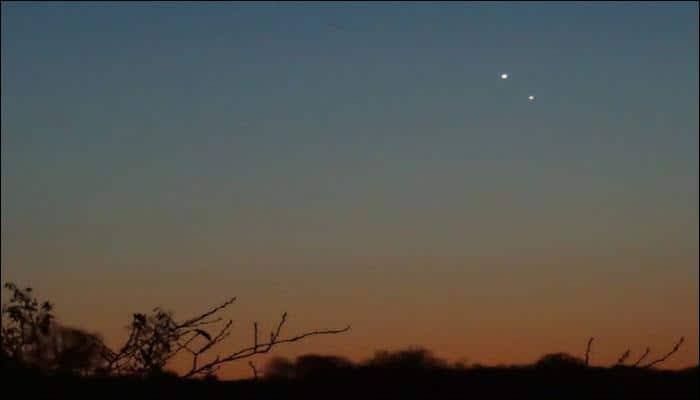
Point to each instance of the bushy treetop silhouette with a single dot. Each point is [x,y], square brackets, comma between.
[32,338]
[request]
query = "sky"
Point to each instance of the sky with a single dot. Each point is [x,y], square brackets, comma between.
[362,164]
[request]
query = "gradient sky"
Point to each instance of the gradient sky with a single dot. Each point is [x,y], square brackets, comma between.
[362,164]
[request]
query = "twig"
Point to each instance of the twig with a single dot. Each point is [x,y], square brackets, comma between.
[155,339]
[588,350]
[209,313]
[255,335]
[623,357]
[667,355]
[261,348]
[255,370]
[646,353]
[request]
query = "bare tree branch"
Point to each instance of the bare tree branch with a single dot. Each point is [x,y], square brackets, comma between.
[588,350]
[154,339]
[261,348]
[667,355]
[207,314]
[255,370]
[646,353]
[623,357]
[213,321]
[255,335]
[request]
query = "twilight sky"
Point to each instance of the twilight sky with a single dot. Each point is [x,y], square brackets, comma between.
[362,164]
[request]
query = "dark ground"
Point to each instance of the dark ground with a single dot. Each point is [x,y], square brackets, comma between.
[380,383]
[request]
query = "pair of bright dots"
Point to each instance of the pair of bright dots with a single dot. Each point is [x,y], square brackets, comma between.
[506,76]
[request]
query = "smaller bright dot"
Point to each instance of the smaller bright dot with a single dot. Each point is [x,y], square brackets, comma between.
[504,76]
[531,98]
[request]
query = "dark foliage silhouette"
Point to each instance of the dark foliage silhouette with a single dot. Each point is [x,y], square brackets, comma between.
[412,358]
[280,368]
[310,365]
[416,373]
[24,321]
[46,360]
[32,338]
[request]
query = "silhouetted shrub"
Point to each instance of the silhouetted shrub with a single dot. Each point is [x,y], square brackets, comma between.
[279,368]
[156,338]
[560,361]
[412,358]
[32,338]
[24,321]
[71,350]
[306,366]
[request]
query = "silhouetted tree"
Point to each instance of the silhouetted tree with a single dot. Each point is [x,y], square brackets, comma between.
[24,320]
[306,366]
[31,337]
[279,368]
[156,338]
[75,351]
[412,358]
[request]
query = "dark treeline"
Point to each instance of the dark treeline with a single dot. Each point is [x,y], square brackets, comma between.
[406,374]
[41,359]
